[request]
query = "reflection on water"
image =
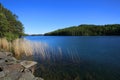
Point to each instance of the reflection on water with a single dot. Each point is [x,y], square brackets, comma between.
[77,58]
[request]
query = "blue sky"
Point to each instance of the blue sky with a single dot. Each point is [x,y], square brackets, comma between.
[41,16]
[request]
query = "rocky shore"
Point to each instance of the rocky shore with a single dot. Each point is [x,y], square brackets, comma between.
[13,69]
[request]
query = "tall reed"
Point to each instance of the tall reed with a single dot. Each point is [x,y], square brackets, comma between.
[4,44]
[22,47]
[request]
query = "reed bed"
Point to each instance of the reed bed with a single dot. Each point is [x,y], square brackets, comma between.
[22,47]
[40,49]
[25,48]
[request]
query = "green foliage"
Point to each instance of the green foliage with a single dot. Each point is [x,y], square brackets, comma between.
[10,26]
[88,30]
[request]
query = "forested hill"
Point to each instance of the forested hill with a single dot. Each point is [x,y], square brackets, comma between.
[10,26]
[88,30]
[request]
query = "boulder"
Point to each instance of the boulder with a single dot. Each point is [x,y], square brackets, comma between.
[13,69]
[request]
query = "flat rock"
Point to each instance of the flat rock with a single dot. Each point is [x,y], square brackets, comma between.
[28,64]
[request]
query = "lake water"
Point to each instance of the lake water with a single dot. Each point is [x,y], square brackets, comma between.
[79,57]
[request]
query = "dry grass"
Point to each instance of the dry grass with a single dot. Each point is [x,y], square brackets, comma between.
[4,44]
[22,47]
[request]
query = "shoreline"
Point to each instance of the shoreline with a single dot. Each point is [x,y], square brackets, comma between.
[13,69]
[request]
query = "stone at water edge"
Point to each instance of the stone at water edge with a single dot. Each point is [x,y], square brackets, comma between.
[28,64]
[13,69]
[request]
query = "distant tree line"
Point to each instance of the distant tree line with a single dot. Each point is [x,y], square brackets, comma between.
[87,30]
[35,35]
[10,26]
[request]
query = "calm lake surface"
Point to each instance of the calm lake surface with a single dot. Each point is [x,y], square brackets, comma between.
[79,57]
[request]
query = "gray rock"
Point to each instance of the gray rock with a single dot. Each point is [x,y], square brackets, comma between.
[13,69]
[2,61]
[5,78]
[8,54]
[2,74]
[27,76]
[10,60]
[2,55]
